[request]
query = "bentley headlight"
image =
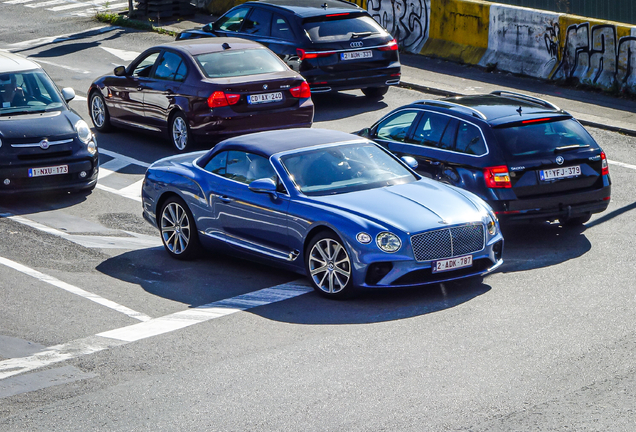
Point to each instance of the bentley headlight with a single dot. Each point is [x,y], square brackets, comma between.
[388,242]
[491,224]
[83,131]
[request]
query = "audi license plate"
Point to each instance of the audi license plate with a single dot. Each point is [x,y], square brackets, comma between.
[354,55]
[558,173]
[37,172]
[265,98]
[452,264]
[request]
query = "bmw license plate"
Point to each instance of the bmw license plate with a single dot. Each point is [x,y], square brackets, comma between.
[354,55]
[452,263]
[558,173]
[265,98]
[54,170]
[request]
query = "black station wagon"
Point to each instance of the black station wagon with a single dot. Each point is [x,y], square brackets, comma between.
[526,157]
[334,44]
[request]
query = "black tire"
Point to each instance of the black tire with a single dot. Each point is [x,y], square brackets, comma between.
[99,112]
[178,230]
[375,92]
[328,266]
[179,132]
[576,221]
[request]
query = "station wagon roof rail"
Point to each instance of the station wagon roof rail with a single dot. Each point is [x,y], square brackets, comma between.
[458,107]
[540,101]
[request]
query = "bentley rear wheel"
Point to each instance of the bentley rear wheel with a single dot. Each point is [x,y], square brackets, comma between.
[178,230]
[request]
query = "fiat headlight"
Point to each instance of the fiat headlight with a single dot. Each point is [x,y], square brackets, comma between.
[83,131]
[388,242]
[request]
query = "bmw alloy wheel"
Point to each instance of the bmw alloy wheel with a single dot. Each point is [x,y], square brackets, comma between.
[180,133]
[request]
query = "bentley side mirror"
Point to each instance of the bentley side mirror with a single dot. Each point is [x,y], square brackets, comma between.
[264,185]
[410,161]
[68,94]
[120,71]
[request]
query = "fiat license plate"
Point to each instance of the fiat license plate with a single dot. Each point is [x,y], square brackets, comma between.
[37,172]
[354,55]
[452,263]
[265,98]
[558,173]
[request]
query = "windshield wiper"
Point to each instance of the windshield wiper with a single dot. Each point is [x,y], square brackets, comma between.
[571,147]
[20,112]
[361,34]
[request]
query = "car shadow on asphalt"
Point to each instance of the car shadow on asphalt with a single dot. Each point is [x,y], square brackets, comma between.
[339,105]
[38,202]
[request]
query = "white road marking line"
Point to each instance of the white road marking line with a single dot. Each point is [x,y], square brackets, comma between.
[74,290]
[621,164]
[60,38]
[124,158]
[39,60]
[17,1]
[44,4]
[69,6]
[134,190]
[156,326]
[122,54]
[117,192]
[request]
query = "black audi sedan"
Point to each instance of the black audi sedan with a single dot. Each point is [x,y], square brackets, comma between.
[44,144]
[523,155]
[334,44]
[205,90]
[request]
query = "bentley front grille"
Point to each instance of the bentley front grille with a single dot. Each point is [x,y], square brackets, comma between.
[448,242]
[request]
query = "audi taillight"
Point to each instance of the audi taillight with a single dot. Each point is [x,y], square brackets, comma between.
[302,91]
[220,99]
[604,165]
[391,46]
[497,177]
[314,54]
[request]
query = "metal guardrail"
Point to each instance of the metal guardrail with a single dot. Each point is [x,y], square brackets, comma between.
[623,11]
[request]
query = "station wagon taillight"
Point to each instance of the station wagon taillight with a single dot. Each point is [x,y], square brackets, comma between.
[302,91]
[604,165]
[391,46]
[220,99]
[310,55]
[497,177]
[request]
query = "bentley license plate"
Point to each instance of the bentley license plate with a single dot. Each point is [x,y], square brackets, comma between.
[353,55]
[452,264]
[54,170]
[265,98]
[558,173]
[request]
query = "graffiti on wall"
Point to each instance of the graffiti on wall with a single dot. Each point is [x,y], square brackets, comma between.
[406,20]
[595,55]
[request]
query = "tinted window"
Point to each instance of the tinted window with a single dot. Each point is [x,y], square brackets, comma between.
[397,126]
[143,68]
[281,28]
[232,21]
[430,129]
[217,164]
[542,138]
[258,23]
[27,92]
[344,29]
[236,63]
[170,67]
[344,168]
[469,140]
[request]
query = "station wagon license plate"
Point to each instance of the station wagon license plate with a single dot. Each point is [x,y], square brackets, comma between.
[452,263]
[37,172]
[354,55]
[558,173]
[265,98]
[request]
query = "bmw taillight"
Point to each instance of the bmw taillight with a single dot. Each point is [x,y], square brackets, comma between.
[302,91]
[220,99]
[391,46]
[497,177]
[310,55]
[604,165]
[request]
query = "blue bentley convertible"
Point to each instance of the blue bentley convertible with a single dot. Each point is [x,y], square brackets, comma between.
[328,204]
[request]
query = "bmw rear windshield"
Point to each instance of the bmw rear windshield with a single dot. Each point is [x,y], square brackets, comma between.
[543,138]
[233,63]
[341,28]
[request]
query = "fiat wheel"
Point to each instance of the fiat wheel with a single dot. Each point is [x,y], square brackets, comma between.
[178,230]
[180,132]
[329,267]
[99,112]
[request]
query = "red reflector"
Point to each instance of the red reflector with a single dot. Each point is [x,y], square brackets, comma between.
[508,212]
[497,177]
[391,46]
[338,14]
[536,120]
[607,198]
[302,91]
[310,55]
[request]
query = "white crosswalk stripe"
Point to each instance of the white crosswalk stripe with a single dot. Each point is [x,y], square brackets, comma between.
[73,7]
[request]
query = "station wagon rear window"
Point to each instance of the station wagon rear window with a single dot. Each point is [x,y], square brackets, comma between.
[344,28]
[239,63]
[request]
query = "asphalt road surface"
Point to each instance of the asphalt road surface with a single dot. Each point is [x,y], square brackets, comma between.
[101,330]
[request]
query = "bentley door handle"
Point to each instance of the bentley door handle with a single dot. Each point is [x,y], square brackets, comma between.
[225,199]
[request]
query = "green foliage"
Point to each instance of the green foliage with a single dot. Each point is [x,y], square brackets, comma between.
[124,21]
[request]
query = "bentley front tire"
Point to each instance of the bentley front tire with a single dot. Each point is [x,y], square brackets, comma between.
[329,267]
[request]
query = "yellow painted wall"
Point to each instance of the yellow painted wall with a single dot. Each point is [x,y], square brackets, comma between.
[458,30]
[219,7]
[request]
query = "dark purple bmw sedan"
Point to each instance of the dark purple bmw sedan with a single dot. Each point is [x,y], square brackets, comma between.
[202,90]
